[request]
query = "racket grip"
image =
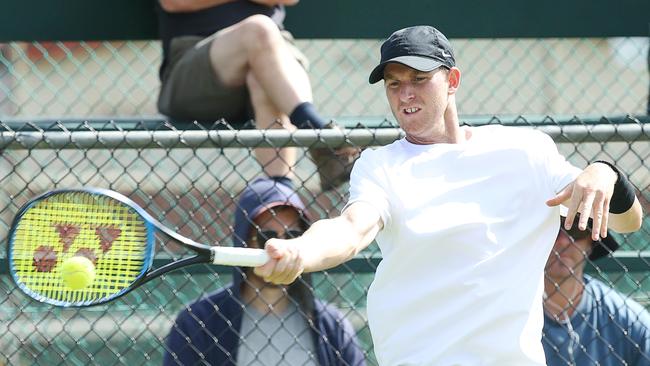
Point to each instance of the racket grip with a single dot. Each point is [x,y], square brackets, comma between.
[245,257]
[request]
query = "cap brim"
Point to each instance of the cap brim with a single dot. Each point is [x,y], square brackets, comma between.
[423,64]
[601,248]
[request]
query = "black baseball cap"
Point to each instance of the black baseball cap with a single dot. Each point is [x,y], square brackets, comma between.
[600,248]
[420,47]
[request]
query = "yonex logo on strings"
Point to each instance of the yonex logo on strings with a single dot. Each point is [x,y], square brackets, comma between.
[46,256]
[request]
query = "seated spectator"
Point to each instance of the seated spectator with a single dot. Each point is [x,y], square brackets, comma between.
[253,322]
[587,322]
[233,60]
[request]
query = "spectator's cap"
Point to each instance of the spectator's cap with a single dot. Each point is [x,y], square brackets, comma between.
[420,47]
[601,248]
[261,195]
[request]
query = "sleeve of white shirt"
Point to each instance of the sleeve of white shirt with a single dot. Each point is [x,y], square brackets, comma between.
[368,184]
[559,171]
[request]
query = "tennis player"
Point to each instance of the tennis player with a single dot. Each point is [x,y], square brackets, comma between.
[465,218]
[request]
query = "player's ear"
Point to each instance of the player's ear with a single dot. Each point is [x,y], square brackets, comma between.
[454,79]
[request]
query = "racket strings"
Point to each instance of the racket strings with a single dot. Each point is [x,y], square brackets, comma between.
[109,233]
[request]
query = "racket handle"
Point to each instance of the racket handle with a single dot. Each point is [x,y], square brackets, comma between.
[245,257]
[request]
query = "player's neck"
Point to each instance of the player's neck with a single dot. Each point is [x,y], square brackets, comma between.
[448,132]
[454,132]
[561,301]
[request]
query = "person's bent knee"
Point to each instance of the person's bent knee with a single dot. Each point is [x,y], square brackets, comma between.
[260,30]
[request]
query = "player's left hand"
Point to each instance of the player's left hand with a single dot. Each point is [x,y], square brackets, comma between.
[589,194]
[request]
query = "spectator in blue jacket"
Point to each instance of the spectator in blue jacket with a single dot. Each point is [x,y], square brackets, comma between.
[256,323]
[587,322]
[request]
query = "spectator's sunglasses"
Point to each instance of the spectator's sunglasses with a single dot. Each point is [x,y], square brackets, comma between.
[574,233]
[264,235]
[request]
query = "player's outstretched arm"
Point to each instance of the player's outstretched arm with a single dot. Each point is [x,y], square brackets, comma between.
[606,195]
[326,244]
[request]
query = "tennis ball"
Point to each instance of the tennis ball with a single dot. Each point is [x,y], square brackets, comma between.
[77,272]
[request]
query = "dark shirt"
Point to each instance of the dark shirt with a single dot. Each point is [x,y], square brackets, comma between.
[606,329]
[208,21]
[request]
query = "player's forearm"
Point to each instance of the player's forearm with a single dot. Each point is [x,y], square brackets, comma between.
[626,214]
[331,242]
[629,221]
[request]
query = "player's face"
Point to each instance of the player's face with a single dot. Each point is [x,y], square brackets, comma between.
[569,255]
[417,99]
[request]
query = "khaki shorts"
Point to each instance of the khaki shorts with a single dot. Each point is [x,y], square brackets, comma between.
[190,89]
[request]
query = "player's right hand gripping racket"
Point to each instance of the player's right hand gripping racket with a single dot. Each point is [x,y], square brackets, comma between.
[106,227]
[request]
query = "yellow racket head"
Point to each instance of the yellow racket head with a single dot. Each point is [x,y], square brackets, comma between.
[103,226]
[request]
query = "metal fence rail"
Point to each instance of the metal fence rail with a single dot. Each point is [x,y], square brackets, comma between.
[189,179]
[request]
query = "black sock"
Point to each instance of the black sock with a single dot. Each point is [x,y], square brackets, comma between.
[305,116]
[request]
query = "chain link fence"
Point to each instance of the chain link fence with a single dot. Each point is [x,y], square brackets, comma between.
[569,76]
[110,135]
[189,179]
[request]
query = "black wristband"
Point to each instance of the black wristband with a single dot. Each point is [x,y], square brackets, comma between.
[623,196]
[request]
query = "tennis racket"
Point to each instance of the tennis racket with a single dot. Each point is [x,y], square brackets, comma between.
[111,230]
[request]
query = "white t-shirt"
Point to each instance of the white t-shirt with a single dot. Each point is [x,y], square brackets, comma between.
[465,239]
